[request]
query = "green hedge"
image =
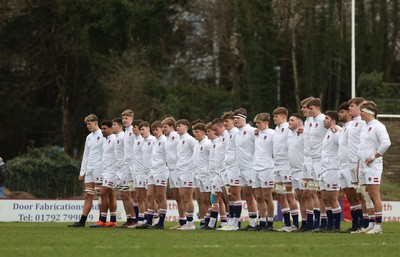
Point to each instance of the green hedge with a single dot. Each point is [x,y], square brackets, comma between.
[46,173]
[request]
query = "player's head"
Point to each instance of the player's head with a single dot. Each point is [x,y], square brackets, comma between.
[304,106]
[210,132]
[280,115]
[343,111]
[239,117]
[92,122]
[262,120]
[199,131]
[117,125]
[227,119]
[106,127]
[218,126]
[368,110]
[182,126]
[127,118]
[168,125]
[144,128]
[331,119]
[296,120]
[135,125]
[354,104]
[156,127]
[314,107]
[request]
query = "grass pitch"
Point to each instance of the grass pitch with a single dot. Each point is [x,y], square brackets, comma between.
[56,239]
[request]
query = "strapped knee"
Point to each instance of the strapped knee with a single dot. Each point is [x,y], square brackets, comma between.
[89,190]
[280,189]
[368,202]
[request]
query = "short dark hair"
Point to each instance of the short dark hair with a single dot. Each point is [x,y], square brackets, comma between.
[199,126]
[156,124]
[298,116]
[314,102]
[183,122]
[281,110]
[144,124]
[344,106]
[118,121]
[108,123]
[136,123]
[217,121]
[227,115]
[334,115]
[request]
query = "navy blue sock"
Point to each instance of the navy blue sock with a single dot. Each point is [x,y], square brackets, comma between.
[354,219]
[83,219]
[303,223]
[317,214]
[310,220]
[329,214]
[182,222]
[286,219]
[337,218]
[295,219]
[136,209]
[113,218]
[150,219]
[161,220]
[366,222]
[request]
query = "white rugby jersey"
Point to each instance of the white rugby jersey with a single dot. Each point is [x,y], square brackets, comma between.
[280,144]
[119,154]
[306,137]
[201,157]
[296,149]
[92,152]
[230,149]
[344,143]
[184,154]
[212,162]
[330,151]
[245,147]
[108,161]
[147,150]
[317,134]
[263,153]
[220,150]
[373,138]
[170,150]
[129,139]
[138,154]
[158,157]
[354,138]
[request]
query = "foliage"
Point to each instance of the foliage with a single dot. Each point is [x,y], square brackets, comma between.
[44,172]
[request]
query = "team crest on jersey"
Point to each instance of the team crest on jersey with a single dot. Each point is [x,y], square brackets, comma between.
[328,185]
[283,129]
[172,138]
[310,125]
[214,146]
[159,143]
[183,142]
[230,136]
[223,139]
[130,133]
[370,128]
[265,137]
[328,137]
[109,141]
[148,143]
[201,148]
[344,129]
[98,138]
[356,125]
[316,125]
[138,143]
[244,133]
[369,179]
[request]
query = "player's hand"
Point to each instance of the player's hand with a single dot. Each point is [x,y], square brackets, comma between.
[335,129]
[300,130]
[81,177]
[368,161]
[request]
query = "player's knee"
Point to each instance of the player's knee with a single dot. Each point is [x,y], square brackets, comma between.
[280,189]
[89,191]
[367,198]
